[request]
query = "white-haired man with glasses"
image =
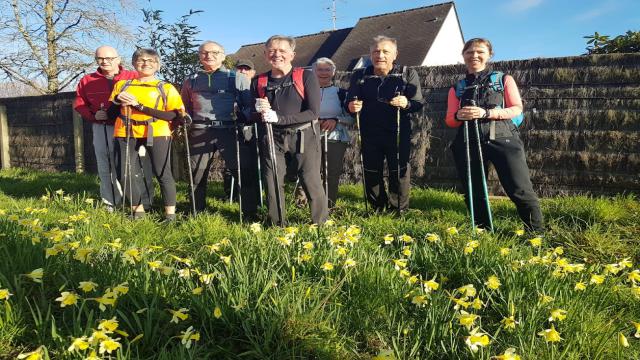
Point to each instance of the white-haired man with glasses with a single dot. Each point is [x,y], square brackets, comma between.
[92,102]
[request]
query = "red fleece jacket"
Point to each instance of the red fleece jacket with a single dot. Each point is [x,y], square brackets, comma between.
[94,89]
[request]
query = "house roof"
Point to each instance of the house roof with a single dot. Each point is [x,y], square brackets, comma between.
[308,49]
[415,29]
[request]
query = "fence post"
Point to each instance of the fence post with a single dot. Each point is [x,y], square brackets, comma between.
[5,161]
[78,140]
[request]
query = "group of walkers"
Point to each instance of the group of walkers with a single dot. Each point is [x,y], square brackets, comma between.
[298,119]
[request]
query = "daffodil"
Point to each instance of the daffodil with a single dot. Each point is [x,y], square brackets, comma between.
[509,354]
[109,325]
[634,276]
[384,355]
[467,290]
[327,266]
[434,238]
[188,336]
[80,343]
[477,304]
[580,286]
[636,325]
[36,275]
[430,285]
[226,259]
[622,340]
[519,232]
[545,299]
[197,291]
[509,323]
[109,345]
[465,319]
[121,289]
[217,313]
[625,263]
[558,315]
[67,298]
[476,340]
[419,300]
[341,251]
[400,263]
[179,315]
[4,294]
[109,298]
[132,255]
[154,265]
[406,251]
[536,242]
[37,354]
[87,286]
[405,239]
[452,230]
[388,239]
[255,227]
[284,240]
[307,245]
[349,263]
[471,246]
[493,282]
[550,335]
[596,279]
[505,251]
[83,254]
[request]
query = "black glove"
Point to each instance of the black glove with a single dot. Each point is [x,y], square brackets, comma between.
[184,120]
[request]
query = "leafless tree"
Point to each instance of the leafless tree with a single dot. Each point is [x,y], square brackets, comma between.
[48,44]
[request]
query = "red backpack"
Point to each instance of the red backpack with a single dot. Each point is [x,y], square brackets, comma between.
[298,82]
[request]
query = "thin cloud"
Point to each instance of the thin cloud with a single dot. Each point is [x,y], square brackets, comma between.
[517,6]
[594,13]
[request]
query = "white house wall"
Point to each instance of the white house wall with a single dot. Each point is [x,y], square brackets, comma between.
[447,46]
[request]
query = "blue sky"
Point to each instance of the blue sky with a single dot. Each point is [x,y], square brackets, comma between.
[519,29]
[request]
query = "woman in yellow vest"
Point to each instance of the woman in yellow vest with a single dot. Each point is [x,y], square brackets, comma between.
[146,106]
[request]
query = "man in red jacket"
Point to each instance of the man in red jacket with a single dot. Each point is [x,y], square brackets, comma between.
[92,101]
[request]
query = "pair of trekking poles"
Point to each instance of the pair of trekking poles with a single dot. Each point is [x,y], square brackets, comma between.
[485,191]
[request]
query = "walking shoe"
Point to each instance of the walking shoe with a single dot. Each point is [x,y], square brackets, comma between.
[169,218]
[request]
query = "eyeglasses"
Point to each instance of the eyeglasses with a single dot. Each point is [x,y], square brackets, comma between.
[107,59]
[212,53]
[146,61]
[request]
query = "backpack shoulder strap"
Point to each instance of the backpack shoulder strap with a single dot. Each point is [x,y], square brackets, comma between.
[126,85]
[160,85]
[298,80]
[460,85]
[231,82]
[262,85]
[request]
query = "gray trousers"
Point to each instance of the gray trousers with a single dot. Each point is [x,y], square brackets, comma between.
[335,150]
[304,146]
[103,145]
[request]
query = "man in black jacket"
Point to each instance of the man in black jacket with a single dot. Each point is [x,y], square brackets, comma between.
[382,89]
[288,98]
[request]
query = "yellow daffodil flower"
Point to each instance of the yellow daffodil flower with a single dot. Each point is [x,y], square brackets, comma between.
[536,242]
[36,275]
[622,340]
[509,354]
[580,286]
[87,286]
[178,315]
[434,238]
[452,230]
[505,251]
[109,325]
[493,282]
[388,239]
[476,340]
[509,323]
[596,279]
[4,294]
[550,335]
[465,319]
[255,227]
[327,266]
[80,343]
[109,345]
[349,263]
[558,315]
[67,298]
[217,313]
[188,336]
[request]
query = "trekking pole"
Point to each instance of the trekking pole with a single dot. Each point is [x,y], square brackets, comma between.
[255,128]
[364,185]
[112,180]
[398,151]
[276,182]
[233,185]
[184,114]
[469,185]
[482,174]
[326,166]
[126,110]
[235,119]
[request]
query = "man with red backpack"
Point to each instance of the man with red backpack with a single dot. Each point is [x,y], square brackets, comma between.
[287,105]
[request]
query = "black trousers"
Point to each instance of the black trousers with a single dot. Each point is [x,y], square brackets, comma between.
[508,157]
[203,143]
[377,149]
[160,157]
[304,147]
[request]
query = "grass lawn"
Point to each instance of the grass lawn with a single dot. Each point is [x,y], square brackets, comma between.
[77,282]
